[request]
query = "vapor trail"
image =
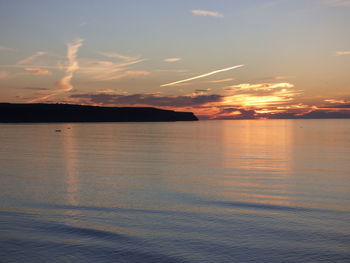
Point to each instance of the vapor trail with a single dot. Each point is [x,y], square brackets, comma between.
[202,76]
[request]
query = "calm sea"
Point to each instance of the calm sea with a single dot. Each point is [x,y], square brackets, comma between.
[208,191]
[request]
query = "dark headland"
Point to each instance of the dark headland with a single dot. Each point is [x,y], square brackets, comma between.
[38,112]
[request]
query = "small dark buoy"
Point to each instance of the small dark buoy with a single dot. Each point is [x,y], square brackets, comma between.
[57,130]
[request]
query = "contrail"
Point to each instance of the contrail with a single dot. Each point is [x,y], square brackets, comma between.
[202,76]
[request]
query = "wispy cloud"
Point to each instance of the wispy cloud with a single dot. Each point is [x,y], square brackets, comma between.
[64,84]
[202,76]
[222,80]
[38,71]
[342,53]
[102,70]
[199,12]
[172,70]
[282,77]
[262,86]
[171,60]
[5,48]
[337,101]
[31,58]
[134,74]
[118,56]
[35,88]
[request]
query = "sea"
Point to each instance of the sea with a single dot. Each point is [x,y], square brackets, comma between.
[206,191]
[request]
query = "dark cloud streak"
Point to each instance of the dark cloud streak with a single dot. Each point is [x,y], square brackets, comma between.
[149,99]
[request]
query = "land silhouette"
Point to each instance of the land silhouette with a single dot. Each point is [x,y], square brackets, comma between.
[39,112]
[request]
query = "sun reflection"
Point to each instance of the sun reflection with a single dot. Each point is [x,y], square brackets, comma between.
[262,151]
[71,170]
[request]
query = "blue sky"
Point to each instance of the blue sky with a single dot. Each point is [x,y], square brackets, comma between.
[123,48]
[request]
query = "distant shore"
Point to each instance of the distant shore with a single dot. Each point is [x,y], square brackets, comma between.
[47,113]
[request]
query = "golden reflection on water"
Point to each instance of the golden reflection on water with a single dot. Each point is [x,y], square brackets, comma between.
[257,148]
[258,145]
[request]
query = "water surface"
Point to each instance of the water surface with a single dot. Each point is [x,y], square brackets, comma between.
[209,191]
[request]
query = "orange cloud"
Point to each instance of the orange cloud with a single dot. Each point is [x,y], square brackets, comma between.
[263,86]
[64,84]
[199,12]
[222,80]
[258,95]
[337,101]
[101,70]
[171,60]
[31,58]
[342,53]
[118,56]
[39,71]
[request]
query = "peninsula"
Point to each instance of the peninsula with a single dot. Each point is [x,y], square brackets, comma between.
[39,112]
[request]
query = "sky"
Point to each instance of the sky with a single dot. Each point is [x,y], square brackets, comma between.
[221,59]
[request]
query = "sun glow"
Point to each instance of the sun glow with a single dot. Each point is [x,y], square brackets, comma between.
[249,101]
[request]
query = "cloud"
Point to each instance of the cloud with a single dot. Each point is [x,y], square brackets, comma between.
[172,70]
[118,56]
[199,12]
[64,84]
[240,103]
[324,114]
[262,86]
[235,113]
[31,58]
[276,103]
[282,77]
[222,80]
[341,106]
[249,100]
[147,99]
[102,70]
[337,104]
[134,74]
[262,94]
[335,101]
[39,71]
[342,53]
[41,98]
[110,69]
[202,76]
[171,60]
[202,91]
[35,88]
[97,70]
[4,48]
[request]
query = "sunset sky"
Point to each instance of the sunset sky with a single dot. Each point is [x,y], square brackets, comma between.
[220,59]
